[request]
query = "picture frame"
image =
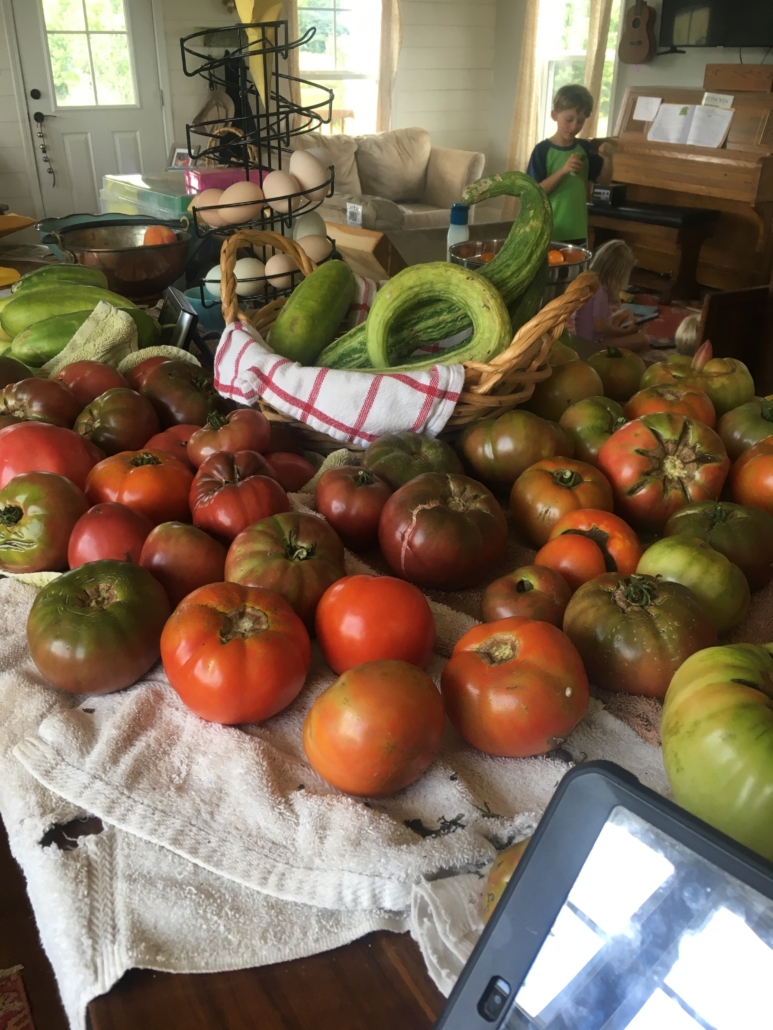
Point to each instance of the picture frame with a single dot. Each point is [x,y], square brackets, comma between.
[179,158]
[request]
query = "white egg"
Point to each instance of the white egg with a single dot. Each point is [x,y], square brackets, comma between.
[249,268]
[207,199]
[312,224]
[240,193]
[277,268]
[281,184]
[212,281]
[317,247]
[310,173]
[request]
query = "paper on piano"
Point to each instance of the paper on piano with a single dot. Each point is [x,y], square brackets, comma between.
[646,109]
[690,124]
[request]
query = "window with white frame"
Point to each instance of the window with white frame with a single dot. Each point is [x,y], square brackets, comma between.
[563,42]
[344,56]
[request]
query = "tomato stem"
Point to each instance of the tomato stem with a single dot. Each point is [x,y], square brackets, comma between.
[11,515]
[145,458]
[501,648]
[364,478]
[523,586]
[636,592]
[216,421]
[766,409]
[241,623]
[614,352]
[298,552]
[567,478]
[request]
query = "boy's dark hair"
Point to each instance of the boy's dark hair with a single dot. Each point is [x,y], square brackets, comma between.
[577,97]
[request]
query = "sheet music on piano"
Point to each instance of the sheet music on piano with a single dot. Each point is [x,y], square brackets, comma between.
[691,124]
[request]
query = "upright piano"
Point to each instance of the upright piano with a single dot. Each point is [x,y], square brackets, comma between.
[735,179]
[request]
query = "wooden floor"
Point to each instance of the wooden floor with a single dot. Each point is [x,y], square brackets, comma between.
[376,983]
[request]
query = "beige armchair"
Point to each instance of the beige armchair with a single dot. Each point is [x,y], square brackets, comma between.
[398,178]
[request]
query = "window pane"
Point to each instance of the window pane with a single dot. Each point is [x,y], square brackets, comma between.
[319,52]
[105,15]
[112,67]
[66,15]
[71,70]
[316,3]
[358,37]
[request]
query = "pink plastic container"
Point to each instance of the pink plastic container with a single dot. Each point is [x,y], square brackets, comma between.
[198,179]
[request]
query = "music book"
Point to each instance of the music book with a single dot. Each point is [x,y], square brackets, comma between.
[691,124]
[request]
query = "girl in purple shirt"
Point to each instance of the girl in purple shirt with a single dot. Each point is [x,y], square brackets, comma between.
[613,263]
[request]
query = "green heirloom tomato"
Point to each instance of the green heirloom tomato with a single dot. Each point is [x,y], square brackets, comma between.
[498,450]
[568,383]
[37,513]
[718,584]
[727,381]
[620,370]
[746,425]
[97,628]
[590,423]
[717,732]
[742,533]
[400,457]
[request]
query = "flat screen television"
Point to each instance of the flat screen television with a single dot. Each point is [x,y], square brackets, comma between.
[711,23]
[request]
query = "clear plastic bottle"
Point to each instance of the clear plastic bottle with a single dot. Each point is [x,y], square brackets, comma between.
[458,230]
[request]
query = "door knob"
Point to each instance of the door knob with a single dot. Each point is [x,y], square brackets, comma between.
[35,94]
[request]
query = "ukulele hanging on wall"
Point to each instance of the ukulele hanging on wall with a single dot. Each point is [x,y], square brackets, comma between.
[637,43]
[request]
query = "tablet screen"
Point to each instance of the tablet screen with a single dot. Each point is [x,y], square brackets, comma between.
[651,937]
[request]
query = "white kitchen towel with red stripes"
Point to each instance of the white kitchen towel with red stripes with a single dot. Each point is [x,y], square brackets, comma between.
[354,407]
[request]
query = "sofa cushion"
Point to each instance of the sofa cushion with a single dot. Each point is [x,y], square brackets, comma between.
[393,164]
[337,150]
[424,216]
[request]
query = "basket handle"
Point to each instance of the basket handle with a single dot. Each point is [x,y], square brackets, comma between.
[259,237]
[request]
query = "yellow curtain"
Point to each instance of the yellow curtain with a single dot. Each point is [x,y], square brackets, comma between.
[524,133]
[391,40]
[598,32]
[290,14]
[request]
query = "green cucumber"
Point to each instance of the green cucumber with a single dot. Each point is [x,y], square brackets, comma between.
[148,329]
[313,312]
[56,275]
[44,340]
[30,306]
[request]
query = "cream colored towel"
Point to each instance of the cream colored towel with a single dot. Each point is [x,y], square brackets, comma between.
[109,334]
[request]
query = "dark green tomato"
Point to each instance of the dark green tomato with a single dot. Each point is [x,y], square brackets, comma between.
[746,425]
[297,556]
[620,370]
[742,533]
[12,370]
[118,420]
[97,628]
[37,513]
[498,450]
[590,423]
[400,457]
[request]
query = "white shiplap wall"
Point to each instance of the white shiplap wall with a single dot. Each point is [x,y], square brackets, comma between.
[14,177]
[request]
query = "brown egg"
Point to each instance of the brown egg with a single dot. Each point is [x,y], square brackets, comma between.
[281,184]
[207,199]
[279,269]
[240,193]
[317,247]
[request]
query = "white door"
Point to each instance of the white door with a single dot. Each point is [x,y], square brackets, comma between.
[90,69]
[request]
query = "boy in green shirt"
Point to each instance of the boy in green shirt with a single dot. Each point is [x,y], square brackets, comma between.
[563,164]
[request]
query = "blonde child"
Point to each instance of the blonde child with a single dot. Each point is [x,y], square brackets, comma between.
[686,336]
[601,319]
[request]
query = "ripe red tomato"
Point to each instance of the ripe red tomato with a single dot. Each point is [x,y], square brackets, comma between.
[182,558]
[39,447]
[135,377]
[515,687]
[682,400]
[118,420]
[533,591]
[89,379]
[551,488]
[40,400]
[292,471]
[181,393]
[233,491]
[576,558]
[108,531]
[657,464]
[37,513]
[376,729]
[352,499]
[442,530]
[235,654]
[751,480]
[369,618]
[618,543]
[245,429]
[151,482]
[175,441]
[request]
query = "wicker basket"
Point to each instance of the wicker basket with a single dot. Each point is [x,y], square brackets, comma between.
[490,388]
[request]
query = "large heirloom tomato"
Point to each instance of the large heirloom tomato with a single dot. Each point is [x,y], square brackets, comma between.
[620,371]
[498,450]
[181,393]
[682,400]
[118,420]
[136,376]
[235,654]
[568,383]
[533,591]
[515,687]
[352,499]
[89,379]
[751,480]
[717,731]
[742,533]
[727,381]
[37,513]
[367,618]
[108,530]
[39,447]
[296,555]
[746,425]
[245,429]
[633,632]
[97,628]
[400,457]
[659,463]
[442,531]
[40,400]
[182,558]
[152,482]
[376,729]
[617,541]
[590,423]
[550,488]
[232,491]
[175,441]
